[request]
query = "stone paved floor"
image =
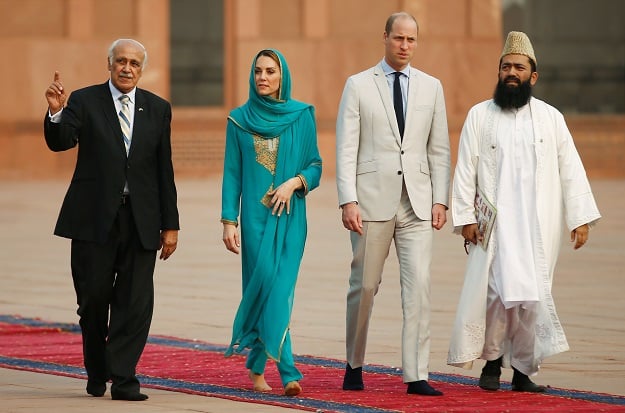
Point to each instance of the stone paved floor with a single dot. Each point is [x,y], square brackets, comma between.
[198,289]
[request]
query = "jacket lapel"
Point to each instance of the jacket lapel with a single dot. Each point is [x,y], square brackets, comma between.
[385,95]
[413,88]
[139,120]
[108,108]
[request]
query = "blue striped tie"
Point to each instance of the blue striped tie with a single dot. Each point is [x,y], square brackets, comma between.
[124,121]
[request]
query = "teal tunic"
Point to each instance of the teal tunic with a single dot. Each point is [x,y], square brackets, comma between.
[259,157]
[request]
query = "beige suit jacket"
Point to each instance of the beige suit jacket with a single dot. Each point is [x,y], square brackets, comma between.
[372,161]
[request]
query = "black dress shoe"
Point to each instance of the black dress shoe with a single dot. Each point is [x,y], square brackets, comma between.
[489,379]
[353,378]
[96,388]
[490,383]
[423,388]
[133,397]
[530,387]
[521,382]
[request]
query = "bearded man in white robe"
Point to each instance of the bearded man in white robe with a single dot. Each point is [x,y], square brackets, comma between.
[520,154]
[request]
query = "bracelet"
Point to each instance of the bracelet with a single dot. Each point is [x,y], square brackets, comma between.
[227,221]
[303,181]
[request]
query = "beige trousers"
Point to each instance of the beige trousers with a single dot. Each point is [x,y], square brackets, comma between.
[413,244]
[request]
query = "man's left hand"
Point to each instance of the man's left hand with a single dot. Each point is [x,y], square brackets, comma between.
[169,241]
[580,236]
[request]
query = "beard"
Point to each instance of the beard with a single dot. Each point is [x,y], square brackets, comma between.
[512,97]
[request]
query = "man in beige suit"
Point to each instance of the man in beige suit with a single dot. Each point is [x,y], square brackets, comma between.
[393,171]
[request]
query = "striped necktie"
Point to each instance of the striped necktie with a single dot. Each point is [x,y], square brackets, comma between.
[124,120]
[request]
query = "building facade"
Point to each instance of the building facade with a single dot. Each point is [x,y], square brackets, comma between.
[200,52]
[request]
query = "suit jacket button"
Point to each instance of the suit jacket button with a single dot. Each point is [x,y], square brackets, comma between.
[402,152]
[398,172]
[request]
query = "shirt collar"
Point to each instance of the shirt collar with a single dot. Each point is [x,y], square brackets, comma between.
[388,70]
[116,93]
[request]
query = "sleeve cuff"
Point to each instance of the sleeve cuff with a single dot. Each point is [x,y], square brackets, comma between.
[56,118]
[227,221]
[304,183]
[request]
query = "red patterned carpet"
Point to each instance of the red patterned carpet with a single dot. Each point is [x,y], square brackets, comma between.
[200,368]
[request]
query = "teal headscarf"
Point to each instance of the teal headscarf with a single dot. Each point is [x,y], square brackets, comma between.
[263,115]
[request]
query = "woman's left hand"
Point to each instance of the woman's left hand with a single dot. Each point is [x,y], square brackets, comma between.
[281,196]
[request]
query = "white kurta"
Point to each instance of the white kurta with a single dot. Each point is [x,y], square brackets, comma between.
[513,270]
[562,193]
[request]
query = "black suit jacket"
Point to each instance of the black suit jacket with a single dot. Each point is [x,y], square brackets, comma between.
[102,167]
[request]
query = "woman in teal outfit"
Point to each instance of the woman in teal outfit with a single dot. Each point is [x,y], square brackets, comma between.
[271,163]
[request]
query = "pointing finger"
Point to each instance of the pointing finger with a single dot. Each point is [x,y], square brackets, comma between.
[57,80]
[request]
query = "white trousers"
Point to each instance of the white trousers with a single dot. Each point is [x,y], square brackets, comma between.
[413,244]
[510,333]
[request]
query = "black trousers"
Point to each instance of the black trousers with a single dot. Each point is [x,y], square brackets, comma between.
[115,294]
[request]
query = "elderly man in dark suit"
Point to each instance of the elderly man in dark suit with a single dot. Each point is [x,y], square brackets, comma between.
[120,209]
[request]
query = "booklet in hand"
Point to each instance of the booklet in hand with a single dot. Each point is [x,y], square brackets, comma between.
[485,214]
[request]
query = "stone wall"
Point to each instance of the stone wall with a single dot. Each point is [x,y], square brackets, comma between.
[324,41]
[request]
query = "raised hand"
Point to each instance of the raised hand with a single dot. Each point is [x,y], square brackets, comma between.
[55,94]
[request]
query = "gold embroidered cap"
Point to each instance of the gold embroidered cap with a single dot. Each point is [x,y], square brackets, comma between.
[519,43]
